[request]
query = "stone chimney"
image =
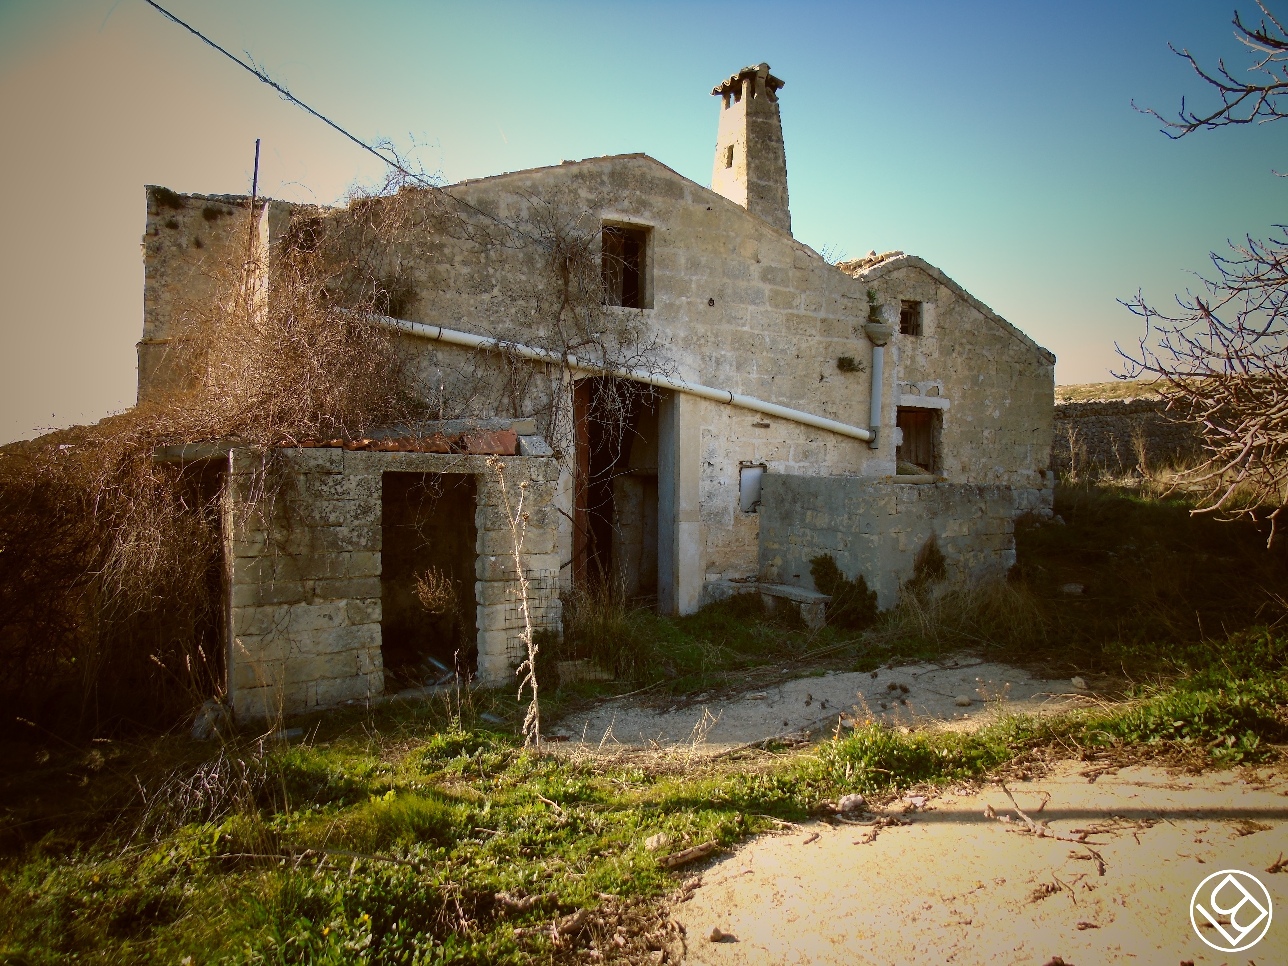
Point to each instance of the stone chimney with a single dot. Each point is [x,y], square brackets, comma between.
[751,165]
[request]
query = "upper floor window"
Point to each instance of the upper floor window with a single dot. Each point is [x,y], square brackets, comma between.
[625,264]
[909,318]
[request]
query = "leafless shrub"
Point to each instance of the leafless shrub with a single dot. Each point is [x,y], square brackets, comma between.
[1255,98]
[991,613]
[1140,447]
[517,519]
[437,592]
[1223,359]
[230,783]
[110,562]
[110,574]
[1077,453]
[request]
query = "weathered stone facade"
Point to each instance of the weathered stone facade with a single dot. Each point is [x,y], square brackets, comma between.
[305,605]
[751,161]
[190,245]
[877,528]
[733,305]
[1114,435]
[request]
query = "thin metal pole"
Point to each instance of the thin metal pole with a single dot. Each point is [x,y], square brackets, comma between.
[254,193]
[254,181]
[248,285]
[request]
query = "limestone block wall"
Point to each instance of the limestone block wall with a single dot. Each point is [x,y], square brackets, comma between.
[1111,436]
[732,302]
[192,246]
[993,386]
[305,568]
[876,528]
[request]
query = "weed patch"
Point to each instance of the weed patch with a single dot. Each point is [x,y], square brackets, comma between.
[410,838]
[853,606]
[415,834]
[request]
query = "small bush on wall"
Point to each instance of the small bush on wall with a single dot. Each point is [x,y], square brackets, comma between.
[853,605]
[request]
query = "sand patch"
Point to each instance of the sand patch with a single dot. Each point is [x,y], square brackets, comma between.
[955,886]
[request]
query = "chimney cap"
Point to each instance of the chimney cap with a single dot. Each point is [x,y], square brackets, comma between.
[772,83]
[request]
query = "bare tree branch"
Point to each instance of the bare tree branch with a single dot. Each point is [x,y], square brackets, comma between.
[1259,95]
[1221,357]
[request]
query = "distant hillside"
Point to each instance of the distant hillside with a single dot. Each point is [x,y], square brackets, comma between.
[1106,391]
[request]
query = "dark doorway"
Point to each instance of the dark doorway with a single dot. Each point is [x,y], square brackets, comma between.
[920,446]
[615,536]
[202,486]
[427,558]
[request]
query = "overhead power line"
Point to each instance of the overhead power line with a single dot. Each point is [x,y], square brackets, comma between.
[264,77]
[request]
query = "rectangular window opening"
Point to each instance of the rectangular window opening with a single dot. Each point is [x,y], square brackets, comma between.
[909,318]
[729,156]
[919,451]
[749,477]
[625,253]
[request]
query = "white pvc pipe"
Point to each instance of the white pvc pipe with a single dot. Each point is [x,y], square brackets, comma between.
[874,420]
[454,337]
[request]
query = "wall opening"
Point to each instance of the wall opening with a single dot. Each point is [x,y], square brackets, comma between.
[749,479]
[921,430]
[615,533]
[202,485]
[729,156]
[625,266]
[909,318]
[428,621]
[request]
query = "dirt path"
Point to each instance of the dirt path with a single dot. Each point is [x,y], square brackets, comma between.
[954,886]
[962,691]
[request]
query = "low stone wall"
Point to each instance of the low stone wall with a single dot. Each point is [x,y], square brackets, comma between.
[1110,436]
[877,527]
[305,598]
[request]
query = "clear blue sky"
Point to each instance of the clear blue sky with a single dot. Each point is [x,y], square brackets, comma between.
[995,139]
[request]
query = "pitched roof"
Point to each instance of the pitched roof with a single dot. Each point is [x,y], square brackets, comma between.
[875,266]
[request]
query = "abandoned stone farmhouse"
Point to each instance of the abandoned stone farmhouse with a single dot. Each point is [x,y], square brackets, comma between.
[786,407]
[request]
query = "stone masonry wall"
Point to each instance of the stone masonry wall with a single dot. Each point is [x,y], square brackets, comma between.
[876,528]
[190,243]
[305,602]
[737,304]
[993,386]
[1108,436]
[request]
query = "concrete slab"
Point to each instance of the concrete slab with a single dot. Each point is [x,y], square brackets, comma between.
[819,703]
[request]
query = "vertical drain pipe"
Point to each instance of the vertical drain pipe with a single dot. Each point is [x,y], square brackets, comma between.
[878,334]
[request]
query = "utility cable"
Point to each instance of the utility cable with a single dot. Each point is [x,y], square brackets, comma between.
[264,77]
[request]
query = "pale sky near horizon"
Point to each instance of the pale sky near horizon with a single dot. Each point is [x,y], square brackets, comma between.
[995,139]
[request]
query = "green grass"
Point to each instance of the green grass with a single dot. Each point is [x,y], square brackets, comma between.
[724,645]
[449,814]
[387,836]
[1155,582]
